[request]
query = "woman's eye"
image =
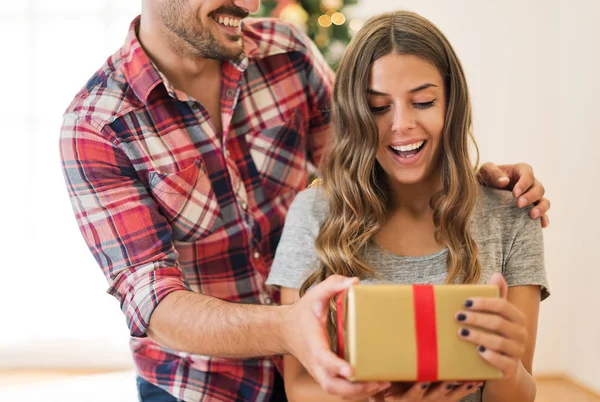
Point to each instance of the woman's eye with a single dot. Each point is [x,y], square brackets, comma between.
[379,110]
[424,105]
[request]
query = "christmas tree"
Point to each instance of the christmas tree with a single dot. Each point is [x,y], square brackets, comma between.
[324,21]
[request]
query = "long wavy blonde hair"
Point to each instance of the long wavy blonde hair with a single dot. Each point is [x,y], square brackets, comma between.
[354,183]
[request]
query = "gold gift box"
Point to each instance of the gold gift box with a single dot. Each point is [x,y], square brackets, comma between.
[409,333]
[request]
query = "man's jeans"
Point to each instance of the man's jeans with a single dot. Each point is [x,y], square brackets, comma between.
[149,392]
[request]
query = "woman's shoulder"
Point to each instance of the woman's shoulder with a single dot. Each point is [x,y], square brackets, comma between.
[310,203]
[496,211]
[499,203]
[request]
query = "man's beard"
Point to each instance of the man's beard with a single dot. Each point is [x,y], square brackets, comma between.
[176,17]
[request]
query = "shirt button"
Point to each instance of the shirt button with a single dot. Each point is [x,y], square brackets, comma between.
[256,255]
[227,153]
[196,106]
[244,205]
[268,300]
[230,93]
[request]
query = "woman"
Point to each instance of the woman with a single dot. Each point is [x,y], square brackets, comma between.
[399,202]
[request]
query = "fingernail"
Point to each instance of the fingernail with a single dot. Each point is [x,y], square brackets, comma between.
[522,202]
[424,386]
[481,348]
[461,317]
[503,179]
[517,191]
[464,332]
[535,213]
[348,281]
[468,303]
[318,310]
[345,371]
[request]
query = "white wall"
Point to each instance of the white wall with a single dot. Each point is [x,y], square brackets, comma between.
[53,305]
[578,278]
[532,68]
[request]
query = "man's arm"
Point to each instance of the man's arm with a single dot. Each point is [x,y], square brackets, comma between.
[205,325]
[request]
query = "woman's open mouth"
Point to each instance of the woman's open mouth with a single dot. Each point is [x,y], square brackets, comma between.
[409,150]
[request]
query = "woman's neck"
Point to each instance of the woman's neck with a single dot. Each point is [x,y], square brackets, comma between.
[414,199]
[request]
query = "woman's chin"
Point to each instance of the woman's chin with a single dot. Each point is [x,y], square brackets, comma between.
[412,177]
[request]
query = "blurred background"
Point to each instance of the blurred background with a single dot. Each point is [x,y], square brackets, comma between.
[532,67]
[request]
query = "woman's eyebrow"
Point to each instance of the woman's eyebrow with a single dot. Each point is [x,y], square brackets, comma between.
[371,91]
[422,87]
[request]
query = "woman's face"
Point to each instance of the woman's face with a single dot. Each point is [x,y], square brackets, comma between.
[406,97]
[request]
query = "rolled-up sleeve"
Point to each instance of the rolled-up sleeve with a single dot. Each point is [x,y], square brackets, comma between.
[119,220]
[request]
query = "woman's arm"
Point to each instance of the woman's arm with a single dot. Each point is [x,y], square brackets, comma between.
[301,386]
[522,386]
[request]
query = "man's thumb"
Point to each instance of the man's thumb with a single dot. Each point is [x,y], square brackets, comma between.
[326,290]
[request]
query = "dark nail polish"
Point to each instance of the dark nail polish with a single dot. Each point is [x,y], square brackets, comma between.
[464,332]
[481,348]
[448,387]
[461,317]
[469,387]
[468,303]
[424,386]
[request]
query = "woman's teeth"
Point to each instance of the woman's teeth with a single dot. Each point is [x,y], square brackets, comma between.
[408,150]
[408,147]
[228,21]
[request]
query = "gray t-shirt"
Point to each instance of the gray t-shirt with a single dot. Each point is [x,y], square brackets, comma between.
[509,242]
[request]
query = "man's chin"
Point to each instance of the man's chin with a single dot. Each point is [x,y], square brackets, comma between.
[234,53]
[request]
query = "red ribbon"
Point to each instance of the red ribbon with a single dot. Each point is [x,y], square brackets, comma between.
[425,328]
[340,322]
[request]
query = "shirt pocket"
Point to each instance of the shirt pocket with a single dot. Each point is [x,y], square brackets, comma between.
[279,154]
[187,200]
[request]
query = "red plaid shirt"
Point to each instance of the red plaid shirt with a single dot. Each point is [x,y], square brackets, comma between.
[165,205]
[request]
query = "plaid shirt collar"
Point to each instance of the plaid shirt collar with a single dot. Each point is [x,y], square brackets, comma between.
[144,76]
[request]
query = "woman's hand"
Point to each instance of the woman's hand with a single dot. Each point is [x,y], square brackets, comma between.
[424,392]
[504,346]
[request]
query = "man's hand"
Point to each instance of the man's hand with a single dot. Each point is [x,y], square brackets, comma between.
[520,179]
[304,336]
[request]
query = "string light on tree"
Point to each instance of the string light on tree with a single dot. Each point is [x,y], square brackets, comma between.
[338,18]
[325,22]
[295,14]
[332,4]
[356,25]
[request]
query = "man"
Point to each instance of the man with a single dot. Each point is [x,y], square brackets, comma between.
[182,155]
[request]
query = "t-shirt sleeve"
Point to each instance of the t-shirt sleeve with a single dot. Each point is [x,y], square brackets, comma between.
[524,262]
[296,257]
